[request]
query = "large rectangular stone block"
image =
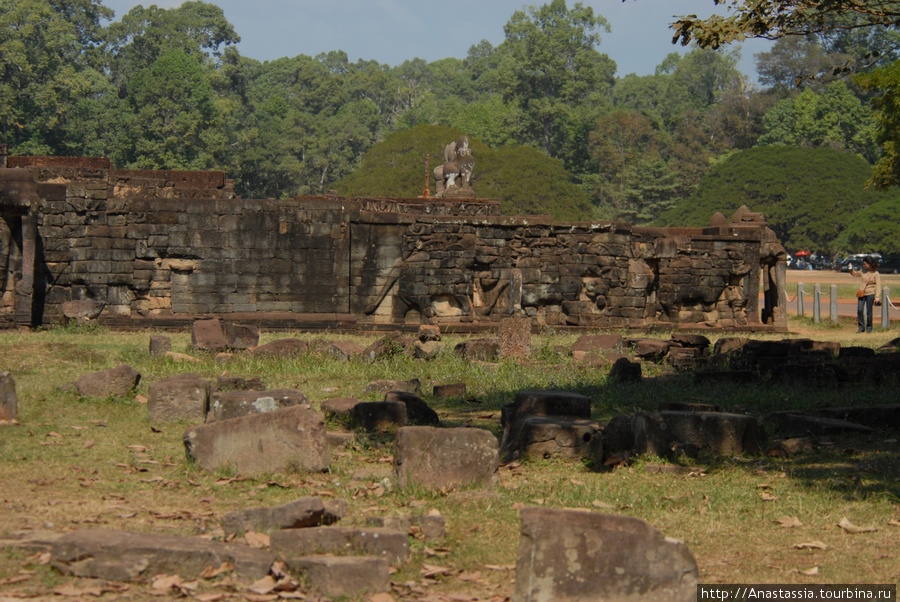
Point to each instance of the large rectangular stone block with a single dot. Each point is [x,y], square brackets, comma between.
[288,439]
[445,458]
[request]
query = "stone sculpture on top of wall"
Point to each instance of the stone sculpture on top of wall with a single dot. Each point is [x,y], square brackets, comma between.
[454,176]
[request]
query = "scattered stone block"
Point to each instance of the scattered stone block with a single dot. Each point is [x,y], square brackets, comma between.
[233,404]
[649,349]
[445,458]
[181,397]
[575,556]
[692,433]
[429,332]
[340,407]
[125,556]
[82,310]
[481,350]
[427,350]
[515,337]
[798,424]
[29,541]
[625,371]
[431,527]
[345,350]
[697,341]
[413,386]
[556,437]
[340,439]
[728,345]
[337,576]
[289,439]
[281,348]
[119,382]
[9,403]
[449,391]
[159,345]
[208,335]
[417,411]
[237,383]
[388,544]
[383,347]
[240,336]
[877,417]
[602,344]
[538,403]
[380,415]
[301,513]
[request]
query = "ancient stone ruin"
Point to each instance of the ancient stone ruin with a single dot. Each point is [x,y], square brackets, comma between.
[82,240]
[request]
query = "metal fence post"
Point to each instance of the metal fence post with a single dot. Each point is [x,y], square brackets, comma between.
[800,299]
[832,303]
[817,303]
[885,307]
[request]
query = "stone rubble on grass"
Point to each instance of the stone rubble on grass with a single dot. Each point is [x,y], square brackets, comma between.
[119,382]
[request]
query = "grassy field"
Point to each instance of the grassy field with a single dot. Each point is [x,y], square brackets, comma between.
[74,463]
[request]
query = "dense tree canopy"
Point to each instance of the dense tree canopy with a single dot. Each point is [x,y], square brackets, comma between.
[555,130]
[807,195]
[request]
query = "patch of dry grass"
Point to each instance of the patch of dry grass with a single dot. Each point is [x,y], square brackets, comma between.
[74,463]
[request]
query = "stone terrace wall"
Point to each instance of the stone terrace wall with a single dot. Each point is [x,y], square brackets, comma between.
[156,248]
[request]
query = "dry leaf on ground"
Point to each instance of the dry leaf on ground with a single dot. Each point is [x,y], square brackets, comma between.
[212,571]
[811,545]
[382,597]
[266,585]
[849,527]
[767,497]
[810,572]
[789,521]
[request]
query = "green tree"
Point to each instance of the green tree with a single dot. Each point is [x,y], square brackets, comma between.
[792,63]
[835,119]
[808,195]
[874,227]
[50,59]
[884,83]
[175,114]
[550,67]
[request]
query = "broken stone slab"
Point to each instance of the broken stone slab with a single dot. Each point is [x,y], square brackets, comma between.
[28,541]
[180,397]
[345,350]
[159,344]
[126,556]
[625,371]
[698,341]
[427,350]
[431,527]
[281,348]
[388,544]
[481,350]
[290,439]
[233,404]
[601,344]
[337,576]
[728,345]
[82,310]
[556,437]
[576,556]
[429,332]
[238,383]
[798,424]
[384,347]
[119,382]
[449,391]
[240,336]
[208,335]
[671,433]
[340,407]
[538,403]
[452,458]
[340,439]
[9,402]
[302,513]
[380,415]
[417,411]
[876,417]
[413,386]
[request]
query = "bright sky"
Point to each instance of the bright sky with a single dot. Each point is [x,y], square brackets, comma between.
[392,31]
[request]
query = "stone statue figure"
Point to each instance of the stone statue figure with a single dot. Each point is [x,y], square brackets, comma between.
[454,176]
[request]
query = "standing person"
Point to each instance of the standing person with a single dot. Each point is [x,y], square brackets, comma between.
[868,293]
